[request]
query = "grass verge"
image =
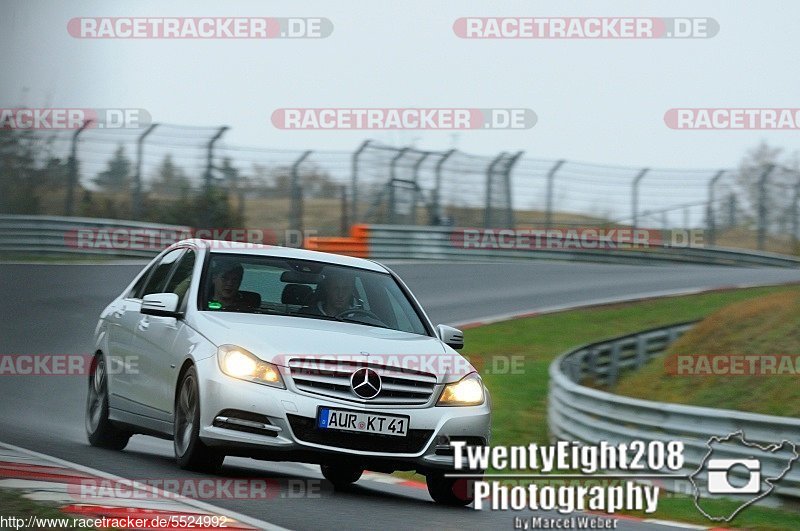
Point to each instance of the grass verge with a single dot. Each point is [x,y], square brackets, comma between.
[764,326]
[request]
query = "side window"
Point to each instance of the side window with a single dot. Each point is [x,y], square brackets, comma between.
[160,273]
[136,290]
[181,277]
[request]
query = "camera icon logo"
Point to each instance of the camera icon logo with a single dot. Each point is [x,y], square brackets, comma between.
[719,472]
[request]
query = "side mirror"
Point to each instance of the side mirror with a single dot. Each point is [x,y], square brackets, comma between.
[452,337]
[160,305]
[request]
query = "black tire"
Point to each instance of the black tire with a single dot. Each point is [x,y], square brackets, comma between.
[99,430]
[190,452]
[342,476]
[456,492]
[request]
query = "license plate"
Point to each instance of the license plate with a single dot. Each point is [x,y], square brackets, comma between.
[361,422]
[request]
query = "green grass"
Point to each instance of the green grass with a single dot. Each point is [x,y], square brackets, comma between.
[13,503]
[767,325]
[520,397]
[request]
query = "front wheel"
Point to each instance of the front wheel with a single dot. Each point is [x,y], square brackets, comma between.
[99,430]
[340,475]
[190,452]
[450,491]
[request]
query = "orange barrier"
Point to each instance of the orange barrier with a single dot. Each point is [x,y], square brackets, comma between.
[357,244]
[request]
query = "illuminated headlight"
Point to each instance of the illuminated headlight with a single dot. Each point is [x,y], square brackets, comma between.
[466,392]
[239,363]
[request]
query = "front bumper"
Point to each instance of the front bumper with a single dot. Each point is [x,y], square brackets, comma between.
[293,435]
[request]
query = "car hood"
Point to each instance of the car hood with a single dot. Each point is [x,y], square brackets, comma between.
[277,339]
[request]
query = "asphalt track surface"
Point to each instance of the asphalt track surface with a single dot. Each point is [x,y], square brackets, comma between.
[54,308]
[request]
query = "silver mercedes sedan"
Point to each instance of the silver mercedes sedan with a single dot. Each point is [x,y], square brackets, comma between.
[284,354]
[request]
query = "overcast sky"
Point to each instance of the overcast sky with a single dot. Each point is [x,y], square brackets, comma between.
[597,100]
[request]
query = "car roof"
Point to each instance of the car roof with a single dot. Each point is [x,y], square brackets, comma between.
[253,249]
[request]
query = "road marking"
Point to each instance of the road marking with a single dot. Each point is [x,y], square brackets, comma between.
[258,524]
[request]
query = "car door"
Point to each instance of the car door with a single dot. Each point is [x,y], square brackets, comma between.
[121,364]
[154,342]
[138,397]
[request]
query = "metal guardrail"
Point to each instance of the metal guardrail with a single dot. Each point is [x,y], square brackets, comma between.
[589,416]
[51,234]
[59,235]
[441,243]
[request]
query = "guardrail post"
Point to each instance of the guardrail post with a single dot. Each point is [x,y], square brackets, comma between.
[487,212]
[436,209]
[137,177]
[762,206]
[613,364]
[712,225]
[641,350]
[354,181]
[296,207]
[635,197]
[548,208]
[591,362]
[72,168]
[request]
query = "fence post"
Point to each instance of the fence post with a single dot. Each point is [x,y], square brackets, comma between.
[415,176]
[296,207]
[731,210]
[345,223]
[548,207]
[354,180]
[436,210]
[137,178]
[392,177]
[635,197]
[209,176]
[762,206]
[509,196]
[72,168]
[795,212]
[487,212]
[712,225]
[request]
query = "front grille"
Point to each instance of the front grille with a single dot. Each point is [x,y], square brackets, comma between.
[332,378]
[305,429]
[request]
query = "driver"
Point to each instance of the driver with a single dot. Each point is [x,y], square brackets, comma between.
[226,277]
[335,294]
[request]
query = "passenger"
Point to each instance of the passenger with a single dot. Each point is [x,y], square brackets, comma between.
[334,295]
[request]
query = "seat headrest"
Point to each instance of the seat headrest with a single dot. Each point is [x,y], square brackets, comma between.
[296,294]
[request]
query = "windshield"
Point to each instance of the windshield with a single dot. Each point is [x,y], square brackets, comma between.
[305,289]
